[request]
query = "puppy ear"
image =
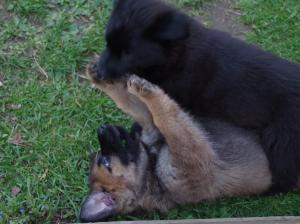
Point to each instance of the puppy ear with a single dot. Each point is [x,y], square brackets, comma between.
[169,26]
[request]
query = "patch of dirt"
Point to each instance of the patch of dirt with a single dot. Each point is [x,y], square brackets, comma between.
[36,23]
[82,21]
[7,15]
[4,15]
[1,80]
[222,15]
[1,4]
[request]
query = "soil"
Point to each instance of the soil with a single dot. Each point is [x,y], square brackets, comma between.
[223,15]
[4,15]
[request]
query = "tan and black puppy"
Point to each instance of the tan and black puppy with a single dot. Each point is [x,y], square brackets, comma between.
[175,159]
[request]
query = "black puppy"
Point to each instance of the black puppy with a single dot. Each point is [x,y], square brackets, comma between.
[210,73]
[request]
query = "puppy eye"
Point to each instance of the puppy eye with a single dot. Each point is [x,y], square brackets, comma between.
[104,161]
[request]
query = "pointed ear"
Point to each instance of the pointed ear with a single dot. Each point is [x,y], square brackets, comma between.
[169,26]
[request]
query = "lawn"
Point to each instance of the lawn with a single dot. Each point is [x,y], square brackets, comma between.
[48,117]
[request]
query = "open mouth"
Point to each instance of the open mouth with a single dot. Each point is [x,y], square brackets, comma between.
[107,200]
[97,207]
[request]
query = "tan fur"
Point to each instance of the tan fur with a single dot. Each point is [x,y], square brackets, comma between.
[184,160]
[188,167]
[102,180]
[191,153]
[119,183]
[129,104]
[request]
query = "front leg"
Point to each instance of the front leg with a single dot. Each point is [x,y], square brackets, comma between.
[128,103]
[187,141]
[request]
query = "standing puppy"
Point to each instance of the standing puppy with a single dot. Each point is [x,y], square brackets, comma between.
[210,74]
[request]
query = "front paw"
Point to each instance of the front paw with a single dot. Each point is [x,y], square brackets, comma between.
[140,86]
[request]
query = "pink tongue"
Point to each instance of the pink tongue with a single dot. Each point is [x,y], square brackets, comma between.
[107,200]
[97,206]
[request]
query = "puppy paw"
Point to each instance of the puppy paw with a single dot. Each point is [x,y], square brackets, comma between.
[139,86]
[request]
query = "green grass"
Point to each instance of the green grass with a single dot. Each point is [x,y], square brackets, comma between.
[275,24]
[57,117]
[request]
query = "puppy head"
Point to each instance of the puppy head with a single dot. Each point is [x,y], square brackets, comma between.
[140,35]
[116,175]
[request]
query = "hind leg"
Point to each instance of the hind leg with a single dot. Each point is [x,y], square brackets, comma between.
[282,146]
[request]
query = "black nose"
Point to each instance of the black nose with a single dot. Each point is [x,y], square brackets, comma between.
[102,66]
[93,68]
[110,67]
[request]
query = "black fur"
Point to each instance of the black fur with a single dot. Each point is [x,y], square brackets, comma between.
[115,140]
[210,73]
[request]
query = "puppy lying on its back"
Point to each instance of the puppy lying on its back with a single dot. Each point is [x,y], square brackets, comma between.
[174,160]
